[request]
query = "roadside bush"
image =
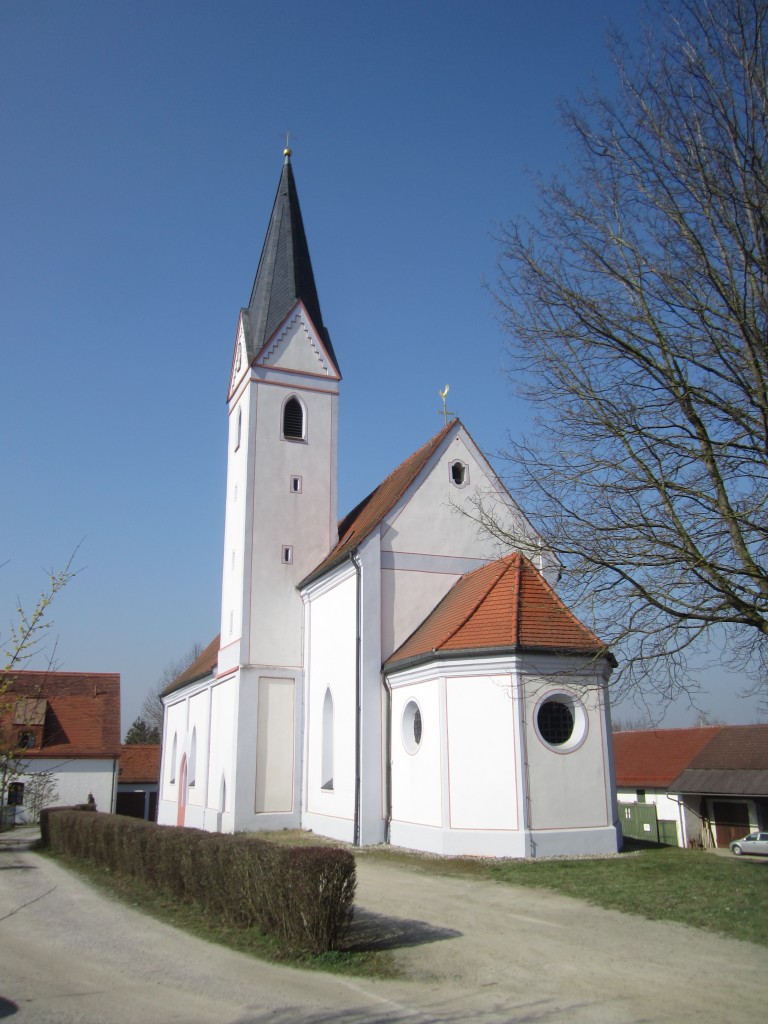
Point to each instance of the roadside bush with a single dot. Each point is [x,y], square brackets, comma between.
[302,896]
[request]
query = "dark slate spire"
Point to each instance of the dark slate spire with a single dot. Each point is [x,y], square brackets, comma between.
[285,271]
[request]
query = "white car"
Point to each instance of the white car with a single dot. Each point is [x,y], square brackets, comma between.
[755,842]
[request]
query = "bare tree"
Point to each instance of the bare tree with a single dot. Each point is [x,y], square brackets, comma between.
[637,313]
[152,708]
[26,638]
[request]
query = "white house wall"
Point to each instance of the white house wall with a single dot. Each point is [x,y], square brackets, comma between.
[73,780]
[570,787]
[417,777]
[482,753]
[668,808]
[331,665]
[221,760]
[482,782]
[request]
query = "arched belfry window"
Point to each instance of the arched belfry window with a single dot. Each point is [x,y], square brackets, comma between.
[326,770]
[294,420]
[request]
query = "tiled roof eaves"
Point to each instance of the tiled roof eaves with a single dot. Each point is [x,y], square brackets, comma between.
[64,752]
[401,664]
[203,665]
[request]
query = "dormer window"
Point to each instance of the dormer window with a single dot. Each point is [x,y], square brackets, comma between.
[26,740]
[294,426]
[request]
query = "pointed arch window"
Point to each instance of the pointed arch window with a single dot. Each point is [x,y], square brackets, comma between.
[193,758]
[294,420]
[239,428]
[326,769]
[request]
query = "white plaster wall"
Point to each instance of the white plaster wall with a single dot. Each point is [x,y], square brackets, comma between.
[568,789]
[297,348]
[331,664]
[199,725]
[175,725]
[429,524]
[74,780]
[482,753]
[234,523]
[222,740]
[407,597]
[417,786]
[282,517]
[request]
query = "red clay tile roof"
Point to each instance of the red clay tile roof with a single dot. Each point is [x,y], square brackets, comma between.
[735,748]
[505,605]
[139,762]
[655,757]
[203,665]
[365,517]
[82,716]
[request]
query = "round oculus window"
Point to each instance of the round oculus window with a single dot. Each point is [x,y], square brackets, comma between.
[561,721]
[412,727]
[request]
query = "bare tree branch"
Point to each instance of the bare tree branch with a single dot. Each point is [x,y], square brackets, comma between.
[637,314]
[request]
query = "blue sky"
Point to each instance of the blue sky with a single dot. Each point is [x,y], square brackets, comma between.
[142,148]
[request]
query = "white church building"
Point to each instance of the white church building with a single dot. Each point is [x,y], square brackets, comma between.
[392,676]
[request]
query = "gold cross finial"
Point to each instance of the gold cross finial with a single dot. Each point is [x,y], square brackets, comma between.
[444,411]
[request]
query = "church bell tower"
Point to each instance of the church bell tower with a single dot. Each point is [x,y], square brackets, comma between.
[281,514]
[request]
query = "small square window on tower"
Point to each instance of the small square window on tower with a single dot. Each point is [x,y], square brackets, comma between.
[287,558]
[295,485]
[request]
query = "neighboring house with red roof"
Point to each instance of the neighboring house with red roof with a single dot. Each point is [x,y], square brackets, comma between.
[402,674]
[698,786]
[137,780]
[63,732]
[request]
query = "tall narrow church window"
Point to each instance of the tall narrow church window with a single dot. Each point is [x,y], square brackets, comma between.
[326,769]
[193,758]
[172,771]
[294,427]
[239,428]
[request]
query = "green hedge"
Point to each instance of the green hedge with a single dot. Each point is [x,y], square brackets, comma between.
[301,895]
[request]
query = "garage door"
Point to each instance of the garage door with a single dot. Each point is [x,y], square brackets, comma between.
[730,819]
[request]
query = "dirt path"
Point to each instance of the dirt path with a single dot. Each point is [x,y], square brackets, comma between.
[471,951]
[500,953]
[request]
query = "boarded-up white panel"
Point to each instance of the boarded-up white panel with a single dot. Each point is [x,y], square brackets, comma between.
[274,746]
[481,753]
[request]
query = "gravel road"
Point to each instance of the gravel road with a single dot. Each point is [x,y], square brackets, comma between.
[471,951]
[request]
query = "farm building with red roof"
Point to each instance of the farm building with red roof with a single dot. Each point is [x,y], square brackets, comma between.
[62,733]
[692,787]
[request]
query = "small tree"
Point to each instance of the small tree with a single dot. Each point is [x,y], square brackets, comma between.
[141,732]
[39,791]
[26,639]
[152,710]
[637,312]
